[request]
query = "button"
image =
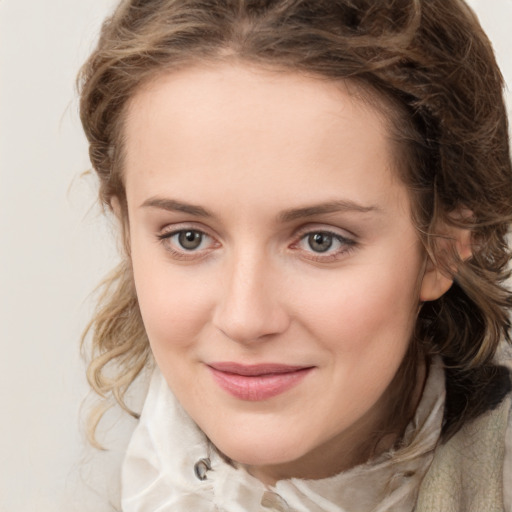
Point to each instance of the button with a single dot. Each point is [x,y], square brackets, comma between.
[201,467]
[274,502]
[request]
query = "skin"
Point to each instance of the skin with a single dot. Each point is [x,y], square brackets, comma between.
[246,156]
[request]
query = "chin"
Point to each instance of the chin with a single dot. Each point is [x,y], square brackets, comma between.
[260,450]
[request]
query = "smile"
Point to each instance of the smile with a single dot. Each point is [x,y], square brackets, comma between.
[257,382]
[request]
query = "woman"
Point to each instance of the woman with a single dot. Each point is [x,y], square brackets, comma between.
[314,198]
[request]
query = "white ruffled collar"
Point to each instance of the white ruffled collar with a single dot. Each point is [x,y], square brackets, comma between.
[171,466]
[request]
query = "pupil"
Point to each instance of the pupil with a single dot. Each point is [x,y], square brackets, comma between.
[190,239]
[320,242]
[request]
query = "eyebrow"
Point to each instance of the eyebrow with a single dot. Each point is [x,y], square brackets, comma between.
[176,206]
[323,208]
[173,205]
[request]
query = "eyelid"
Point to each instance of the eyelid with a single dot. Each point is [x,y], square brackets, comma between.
[343,236]
[165,235]
[183,226]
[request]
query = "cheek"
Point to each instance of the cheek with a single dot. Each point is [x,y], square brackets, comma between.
[173,303]
[365,327]
[367,309]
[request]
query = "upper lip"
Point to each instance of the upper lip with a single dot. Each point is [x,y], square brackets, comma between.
[255,369]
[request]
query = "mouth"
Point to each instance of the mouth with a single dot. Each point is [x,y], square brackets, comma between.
[257,382]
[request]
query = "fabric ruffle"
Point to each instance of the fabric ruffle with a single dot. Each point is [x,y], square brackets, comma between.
[163,469]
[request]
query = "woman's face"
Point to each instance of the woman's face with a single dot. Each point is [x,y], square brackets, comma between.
[277,268]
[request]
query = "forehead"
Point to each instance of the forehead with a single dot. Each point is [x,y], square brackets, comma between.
[207,88]
[225,123]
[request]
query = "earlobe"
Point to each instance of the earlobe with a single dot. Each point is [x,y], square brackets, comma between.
[115,205]
[454,248]
[434,283]
[121,215]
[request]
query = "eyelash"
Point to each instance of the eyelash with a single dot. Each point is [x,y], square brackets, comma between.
[183,254]
[347,244]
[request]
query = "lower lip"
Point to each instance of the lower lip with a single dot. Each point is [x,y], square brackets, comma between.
[258,387]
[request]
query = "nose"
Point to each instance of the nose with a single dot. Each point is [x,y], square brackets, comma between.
[251,302]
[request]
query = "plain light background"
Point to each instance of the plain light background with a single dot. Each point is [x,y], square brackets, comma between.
[55,247]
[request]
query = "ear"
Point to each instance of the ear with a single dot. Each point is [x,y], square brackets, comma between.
[121,214]
[452,247]
[115,205]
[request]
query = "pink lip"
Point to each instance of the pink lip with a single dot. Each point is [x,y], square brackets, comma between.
[257,382]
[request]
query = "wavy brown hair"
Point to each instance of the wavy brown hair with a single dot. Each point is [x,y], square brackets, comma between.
[426,64]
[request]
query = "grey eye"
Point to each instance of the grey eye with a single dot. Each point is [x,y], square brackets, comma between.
[320,242]
[190,240]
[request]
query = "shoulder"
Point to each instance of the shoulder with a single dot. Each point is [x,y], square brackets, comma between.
[469,469]
[507,466]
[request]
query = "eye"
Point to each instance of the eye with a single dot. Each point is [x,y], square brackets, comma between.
[189,240]
[324,246]
[187,243]
[320,242]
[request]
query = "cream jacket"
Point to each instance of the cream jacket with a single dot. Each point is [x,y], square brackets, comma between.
[170,466]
